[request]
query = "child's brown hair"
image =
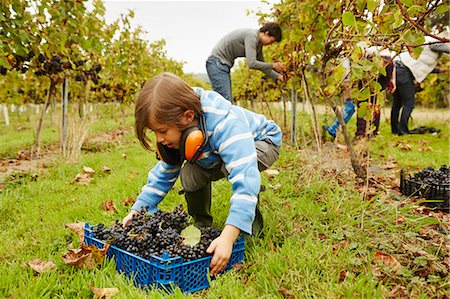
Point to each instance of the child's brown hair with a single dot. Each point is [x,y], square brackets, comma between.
[163,99]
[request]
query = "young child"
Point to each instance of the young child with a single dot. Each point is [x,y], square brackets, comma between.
[216,139]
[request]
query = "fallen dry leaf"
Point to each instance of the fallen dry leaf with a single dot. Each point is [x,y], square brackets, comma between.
[273,247]
[342,275]
[341,146]
[425,149]
[376,271]
[83,178]
[400,219]
[387,260]
[404,146]
[341,244]
[128,201]
[105,169]
[285,293]
[105,293]
[275,187]
[322,236]
[86,257]
[423,210]
[77,258]
[399,292]
[423,142]
[78,228]
[89,170]
[40,266]
[389,165]
[109,206]
[418,252]
[245,280]
[271,172]
[238,266]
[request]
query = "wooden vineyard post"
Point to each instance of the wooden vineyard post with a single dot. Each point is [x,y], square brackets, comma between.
[294,116]
[65,105]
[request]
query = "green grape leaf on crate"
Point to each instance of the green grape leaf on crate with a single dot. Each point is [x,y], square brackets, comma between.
[191,235]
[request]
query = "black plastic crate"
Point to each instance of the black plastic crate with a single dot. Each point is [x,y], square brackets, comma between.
[436,196]
[164,272]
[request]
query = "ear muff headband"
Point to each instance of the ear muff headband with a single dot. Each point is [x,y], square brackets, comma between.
[169,155]
[192,144]
[193,141]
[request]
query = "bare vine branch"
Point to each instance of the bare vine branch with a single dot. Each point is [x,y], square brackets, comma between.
[417,25]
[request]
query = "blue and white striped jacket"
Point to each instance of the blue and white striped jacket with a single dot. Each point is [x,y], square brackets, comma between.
[232,134]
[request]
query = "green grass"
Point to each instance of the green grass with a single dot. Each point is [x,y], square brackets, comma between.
[315,227]
[426,149]
[20,134]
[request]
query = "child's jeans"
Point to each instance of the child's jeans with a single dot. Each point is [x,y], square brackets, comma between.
[347,114]
[196,182]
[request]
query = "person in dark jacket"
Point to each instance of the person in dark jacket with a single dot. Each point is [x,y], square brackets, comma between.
[408,72]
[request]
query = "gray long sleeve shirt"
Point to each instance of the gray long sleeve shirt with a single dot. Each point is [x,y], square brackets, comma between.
[243,43]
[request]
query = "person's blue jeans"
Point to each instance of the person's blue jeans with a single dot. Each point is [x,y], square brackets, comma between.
[219,75]
[347,114]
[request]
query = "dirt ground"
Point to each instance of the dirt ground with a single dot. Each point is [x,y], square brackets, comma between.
[49,154]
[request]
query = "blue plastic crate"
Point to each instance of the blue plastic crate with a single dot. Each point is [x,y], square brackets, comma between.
[164,272]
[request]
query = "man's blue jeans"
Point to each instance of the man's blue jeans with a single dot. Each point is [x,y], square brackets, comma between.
[347,114]
[219,75]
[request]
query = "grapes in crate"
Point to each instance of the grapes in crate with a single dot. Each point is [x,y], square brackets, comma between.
[431,176]
[152,235]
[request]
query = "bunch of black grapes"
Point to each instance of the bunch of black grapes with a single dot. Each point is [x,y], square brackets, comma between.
[91,74]
[153,235]
[431,176]
[17,62]
[50,66]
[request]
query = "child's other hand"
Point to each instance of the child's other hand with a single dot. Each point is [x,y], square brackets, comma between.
[128,218]
[222,248]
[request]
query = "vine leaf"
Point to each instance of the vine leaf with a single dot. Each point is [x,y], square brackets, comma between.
[348,18]
[191,235]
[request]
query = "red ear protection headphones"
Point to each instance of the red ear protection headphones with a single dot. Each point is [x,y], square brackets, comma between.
[192,144]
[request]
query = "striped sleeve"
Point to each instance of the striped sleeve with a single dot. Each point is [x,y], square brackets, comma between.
[236,148]
[160,180]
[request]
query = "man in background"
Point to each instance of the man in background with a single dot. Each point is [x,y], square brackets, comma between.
[246,43]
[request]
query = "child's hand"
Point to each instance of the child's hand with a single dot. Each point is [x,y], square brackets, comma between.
[128,218]
[222,248]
